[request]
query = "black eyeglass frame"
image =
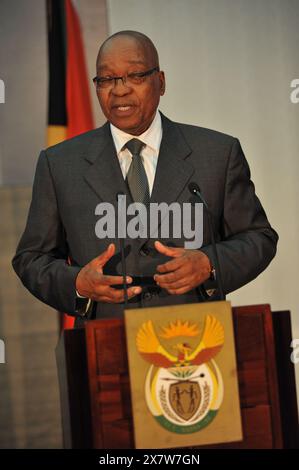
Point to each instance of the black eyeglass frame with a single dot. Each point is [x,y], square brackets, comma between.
[98,81]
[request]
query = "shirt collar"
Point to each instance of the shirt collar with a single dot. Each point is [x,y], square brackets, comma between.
[151,137]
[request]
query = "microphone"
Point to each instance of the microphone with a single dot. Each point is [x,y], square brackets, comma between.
[194,189]
[120,199]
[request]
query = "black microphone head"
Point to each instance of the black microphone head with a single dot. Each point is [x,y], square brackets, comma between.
[193,187]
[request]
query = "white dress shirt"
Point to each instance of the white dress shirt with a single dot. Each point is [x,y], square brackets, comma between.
[151,137]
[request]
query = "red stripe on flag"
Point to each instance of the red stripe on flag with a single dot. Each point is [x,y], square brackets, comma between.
[78,104]
[79,111]
[67,322]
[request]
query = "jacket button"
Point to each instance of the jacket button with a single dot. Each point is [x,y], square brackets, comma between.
[144,251]
[147,296]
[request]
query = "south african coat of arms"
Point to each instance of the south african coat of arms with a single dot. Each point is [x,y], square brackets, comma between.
[183,386]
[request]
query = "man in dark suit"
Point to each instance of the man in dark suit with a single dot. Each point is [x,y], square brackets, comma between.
[73,177]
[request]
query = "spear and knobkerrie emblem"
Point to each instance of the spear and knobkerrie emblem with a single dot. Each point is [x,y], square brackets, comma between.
[183,386]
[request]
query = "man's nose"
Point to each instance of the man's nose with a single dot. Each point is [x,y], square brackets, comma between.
[120,87]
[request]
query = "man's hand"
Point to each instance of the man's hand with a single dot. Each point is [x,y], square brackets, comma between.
[187,270]
[92,283]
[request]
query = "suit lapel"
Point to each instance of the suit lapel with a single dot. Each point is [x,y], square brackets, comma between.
[173,170]
[104,174]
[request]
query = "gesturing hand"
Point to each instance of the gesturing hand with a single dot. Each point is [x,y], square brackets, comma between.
[187,270]
[92,283]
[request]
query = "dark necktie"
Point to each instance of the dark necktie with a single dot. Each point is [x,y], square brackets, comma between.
[136,177]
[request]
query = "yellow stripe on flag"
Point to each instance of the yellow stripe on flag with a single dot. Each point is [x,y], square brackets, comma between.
[55,134]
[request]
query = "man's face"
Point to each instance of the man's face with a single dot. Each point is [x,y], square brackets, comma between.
[129,107]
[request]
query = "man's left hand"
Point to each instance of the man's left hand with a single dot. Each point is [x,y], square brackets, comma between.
[187,270]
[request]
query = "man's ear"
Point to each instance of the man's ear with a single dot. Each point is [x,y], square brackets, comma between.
[162,81]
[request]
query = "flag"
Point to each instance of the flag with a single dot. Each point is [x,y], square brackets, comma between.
[69,104]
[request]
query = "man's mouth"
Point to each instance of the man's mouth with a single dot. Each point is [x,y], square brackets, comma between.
[123,109]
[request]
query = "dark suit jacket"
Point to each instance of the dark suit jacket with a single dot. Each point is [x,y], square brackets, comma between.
[74,176]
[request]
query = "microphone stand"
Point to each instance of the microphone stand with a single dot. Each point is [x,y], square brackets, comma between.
[194,189]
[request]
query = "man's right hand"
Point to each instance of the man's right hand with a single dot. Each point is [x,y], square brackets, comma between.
[93,284]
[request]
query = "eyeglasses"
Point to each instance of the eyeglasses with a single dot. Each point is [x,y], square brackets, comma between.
[131,79]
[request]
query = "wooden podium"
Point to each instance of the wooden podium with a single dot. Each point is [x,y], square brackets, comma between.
[95,390]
